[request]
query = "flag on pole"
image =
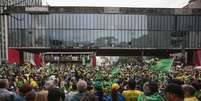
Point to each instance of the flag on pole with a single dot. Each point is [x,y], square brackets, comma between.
[32,62]
[163,65]
[83,60]
[86,60]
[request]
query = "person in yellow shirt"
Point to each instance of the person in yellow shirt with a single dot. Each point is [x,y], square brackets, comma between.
[33,83]
[189,92]
[131,94]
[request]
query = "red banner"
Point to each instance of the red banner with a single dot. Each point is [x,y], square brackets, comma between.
[13,56]
[197,58]
[37,59]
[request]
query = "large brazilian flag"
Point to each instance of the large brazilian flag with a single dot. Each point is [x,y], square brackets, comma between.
[163,65]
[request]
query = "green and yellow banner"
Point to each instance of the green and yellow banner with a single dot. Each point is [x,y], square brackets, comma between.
[163,65]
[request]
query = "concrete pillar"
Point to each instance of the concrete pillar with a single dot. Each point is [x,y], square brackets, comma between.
[1,32]
[6,36]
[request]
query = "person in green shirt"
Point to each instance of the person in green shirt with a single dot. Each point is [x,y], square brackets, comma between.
[150,92]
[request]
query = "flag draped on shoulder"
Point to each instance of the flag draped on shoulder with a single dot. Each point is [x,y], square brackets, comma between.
[163,65]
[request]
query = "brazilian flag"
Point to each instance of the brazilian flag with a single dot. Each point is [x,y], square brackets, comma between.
[115,71]
[163,65]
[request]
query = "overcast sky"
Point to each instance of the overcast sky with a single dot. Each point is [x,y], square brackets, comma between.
[121,3]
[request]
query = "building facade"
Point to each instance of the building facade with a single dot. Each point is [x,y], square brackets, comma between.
[20,2]
[101,28]
[195,4]
[104,28]
[6,6]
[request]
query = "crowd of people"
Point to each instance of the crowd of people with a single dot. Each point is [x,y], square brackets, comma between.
[73,82]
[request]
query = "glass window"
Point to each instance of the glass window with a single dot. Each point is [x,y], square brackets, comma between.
[111,30]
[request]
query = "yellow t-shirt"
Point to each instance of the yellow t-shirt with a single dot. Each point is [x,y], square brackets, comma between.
[191,99]
[33,83]
[131,95]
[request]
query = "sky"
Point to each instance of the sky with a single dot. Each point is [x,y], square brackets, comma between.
[120,3]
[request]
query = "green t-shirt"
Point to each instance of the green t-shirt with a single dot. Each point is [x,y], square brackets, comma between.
[154,97]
